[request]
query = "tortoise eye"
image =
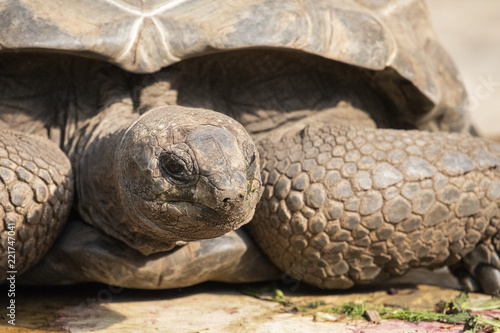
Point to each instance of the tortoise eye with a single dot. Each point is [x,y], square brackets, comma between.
[252,159]
[175,167]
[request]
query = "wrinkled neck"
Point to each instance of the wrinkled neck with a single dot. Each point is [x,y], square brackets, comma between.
[94,160]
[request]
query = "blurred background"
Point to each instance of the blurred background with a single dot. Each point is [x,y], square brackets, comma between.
[470,31]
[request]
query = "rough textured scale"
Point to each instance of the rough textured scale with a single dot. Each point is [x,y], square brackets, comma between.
[36,192]
[342,204]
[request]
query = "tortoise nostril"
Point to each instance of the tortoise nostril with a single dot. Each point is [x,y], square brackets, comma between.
[237,199]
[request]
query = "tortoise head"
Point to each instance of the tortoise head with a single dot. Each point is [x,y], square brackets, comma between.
[187,174]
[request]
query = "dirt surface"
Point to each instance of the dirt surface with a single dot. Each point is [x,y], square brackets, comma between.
[214,307]
[470,31]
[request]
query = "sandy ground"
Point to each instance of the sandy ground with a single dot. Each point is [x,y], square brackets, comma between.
[213,307]
[470,30]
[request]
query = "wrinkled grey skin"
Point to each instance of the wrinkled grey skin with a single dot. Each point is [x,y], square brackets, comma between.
[352,189]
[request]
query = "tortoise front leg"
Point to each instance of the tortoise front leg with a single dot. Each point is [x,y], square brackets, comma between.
[342,204]
[36,193]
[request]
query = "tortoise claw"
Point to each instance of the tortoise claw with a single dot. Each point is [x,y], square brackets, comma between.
[489,278]
[466,280]
[479,270]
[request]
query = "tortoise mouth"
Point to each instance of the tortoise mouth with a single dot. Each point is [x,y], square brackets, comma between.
[200,222]
[169,220]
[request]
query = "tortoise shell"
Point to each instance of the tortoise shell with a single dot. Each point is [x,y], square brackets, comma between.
[392,38]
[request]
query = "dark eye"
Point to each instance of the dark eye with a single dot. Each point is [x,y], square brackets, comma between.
[252,159]
[251,166]
[174,167]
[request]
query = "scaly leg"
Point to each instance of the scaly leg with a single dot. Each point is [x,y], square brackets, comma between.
[36,191]
[344,205]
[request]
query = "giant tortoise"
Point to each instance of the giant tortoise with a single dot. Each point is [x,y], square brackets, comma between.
[337,127]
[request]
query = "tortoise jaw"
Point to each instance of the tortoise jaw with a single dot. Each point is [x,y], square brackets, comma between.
[190,221]
[200,220]
[175,221]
